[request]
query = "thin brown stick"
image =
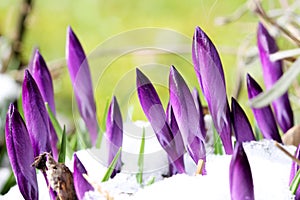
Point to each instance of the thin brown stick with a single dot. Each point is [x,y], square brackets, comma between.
[287,153]
[200,166]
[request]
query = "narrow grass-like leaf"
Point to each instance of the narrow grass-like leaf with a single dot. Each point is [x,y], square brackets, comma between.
[54,121]
[58,130]
[151,181]
[295,183]
[81,141]
[63,147]
[279,88]
[139,175]
[217,143]
[102,124]
[111,167]
[11,181]
[73,142]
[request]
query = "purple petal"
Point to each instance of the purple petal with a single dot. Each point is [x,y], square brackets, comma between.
[186,115]
[42,77]
[80,183]
[36,116]
[171,120]
[210,75]
[272,71]
[155,113]
[20,154]
[264,116]
[82,83]
[200,111]
[294,170]
[241,125]
[241,183]
[114,133]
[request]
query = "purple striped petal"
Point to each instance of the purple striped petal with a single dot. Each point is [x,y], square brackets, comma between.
[294,169]
[272,71]
[155,113]
[209,71]
[199,108]
[186,115]
[264,116]
[114,134]
[82,83]
[240,176]
[42,77]
[241,125]
[36,116]
[171,120]
[20,154]
[80,183]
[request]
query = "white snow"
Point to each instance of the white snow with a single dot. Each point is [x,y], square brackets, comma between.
[270,170]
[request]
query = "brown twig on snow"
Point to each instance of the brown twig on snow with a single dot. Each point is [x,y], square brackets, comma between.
[287,153]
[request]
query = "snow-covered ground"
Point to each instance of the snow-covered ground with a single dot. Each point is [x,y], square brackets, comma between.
[270,169]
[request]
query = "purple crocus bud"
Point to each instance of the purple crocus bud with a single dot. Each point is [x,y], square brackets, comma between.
[171,120]
[114,134]
[240,176]
[199,108]
[264,116]
[80,183]
[155,113]
[36,116]
[82,83]
[294,169]
[20,153]
[209,71]
[241,125]
[42,77]
[186,115]
[272,71]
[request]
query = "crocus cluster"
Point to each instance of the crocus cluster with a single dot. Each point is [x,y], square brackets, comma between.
[179,129]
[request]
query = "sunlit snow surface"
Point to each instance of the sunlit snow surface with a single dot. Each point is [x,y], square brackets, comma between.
[270,170]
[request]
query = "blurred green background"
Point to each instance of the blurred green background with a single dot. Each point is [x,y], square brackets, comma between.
[96,21]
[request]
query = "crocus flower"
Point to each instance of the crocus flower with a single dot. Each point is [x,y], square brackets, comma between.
[82,83]
[20,154]
[171,120]
[294,170]
[272,71]
[186,115]
[199,108]
[241,125]
[36,116]
[155,113]
[114,134]
[42,77]
[209,71]
[264,116]
[80,183]
[240,176]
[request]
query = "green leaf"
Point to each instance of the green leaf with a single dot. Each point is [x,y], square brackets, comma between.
[11,181]
[111,167]
[279,88]
[139,175]
[151,181]
[58,130]
[63,147]
[295,183]
[217,143]
[102,124]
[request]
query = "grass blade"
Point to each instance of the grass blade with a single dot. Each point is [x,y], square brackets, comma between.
[63,147]
[111,167]
[139,175]
[217,143]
